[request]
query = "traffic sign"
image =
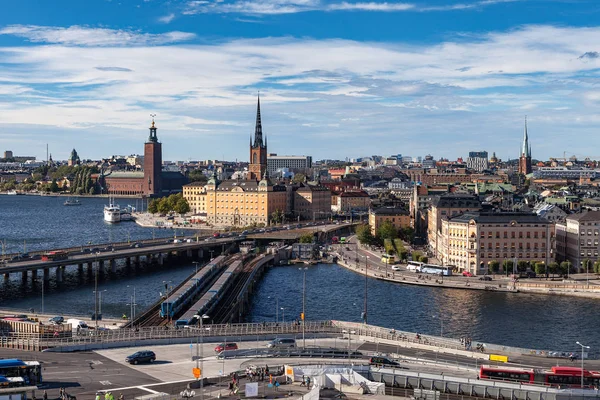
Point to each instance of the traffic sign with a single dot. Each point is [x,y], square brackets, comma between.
[197,372]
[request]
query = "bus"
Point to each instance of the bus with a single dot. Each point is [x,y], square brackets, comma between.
[436,270]
[30,371]
[55,255]
[388,259]
[414,266]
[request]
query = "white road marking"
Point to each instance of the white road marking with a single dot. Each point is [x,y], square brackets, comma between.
[105,383]
[148,390]
[153,384]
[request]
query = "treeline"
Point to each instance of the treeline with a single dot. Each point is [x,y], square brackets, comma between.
[174,203]
[82,183]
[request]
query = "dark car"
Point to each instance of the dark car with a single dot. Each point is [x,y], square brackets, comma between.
[226,346]
[485,278]
[382,361]
[56,320]
[141,357]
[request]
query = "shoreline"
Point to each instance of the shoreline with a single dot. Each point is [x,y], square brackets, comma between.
[402,277]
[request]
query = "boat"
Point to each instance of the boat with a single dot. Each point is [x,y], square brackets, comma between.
[12,193]
[126,213]
[72,202]
[112,212]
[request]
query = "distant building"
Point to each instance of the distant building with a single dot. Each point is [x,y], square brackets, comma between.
[311,201]
[398,217]
[73,159]
[8,154]
[478,160]
[577,238]
[429,162]
[350,201]
[293,163]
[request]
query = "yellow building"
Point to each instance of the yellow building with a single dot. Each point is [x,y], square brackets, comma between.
[399,218]
[195,194]
[312,201]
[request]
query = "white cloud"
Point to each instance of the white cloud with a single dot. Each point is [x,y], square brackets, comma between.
[167,18]
[86,36]
[370,6]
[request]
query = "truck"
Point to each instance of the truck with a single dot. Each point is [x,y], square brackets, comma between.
[78,326]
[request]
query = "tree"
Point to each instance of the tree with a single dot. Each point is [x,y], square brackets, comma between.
[197,176]
[182,206]
[423,259]
[299,178]
[566,267]
[586,264]
[364,235]
[54,186]
[540,268]
[387,231]
[163,206]
[416,255]
[277,216]
[507,266]
[306,238]
[494,267]
[407,234]
[597,267]
[153,206]
[553,267]
[522,266]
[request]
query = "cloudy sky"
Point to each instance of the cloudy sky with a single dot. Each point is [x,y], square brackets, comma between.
[336,78]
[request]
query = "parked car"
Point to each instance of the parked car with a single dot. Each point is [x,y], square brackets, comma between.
[225,346]
[56,320]
[485,278]
[281,343]
[141,357]
[382,362]
[467,274]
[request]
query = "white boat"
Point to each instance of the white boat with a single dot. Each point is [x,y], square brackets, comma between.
[112,212]
[72,202]
[12,192]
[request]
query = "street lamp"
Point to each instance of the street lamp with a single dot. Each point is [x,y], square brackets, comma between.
[96,290]
[201,358]
[364,313]
[166,283]
[133,303]
[582,347]
[303,316]
[283,315]
[196,265]
[99,302]
[587,272]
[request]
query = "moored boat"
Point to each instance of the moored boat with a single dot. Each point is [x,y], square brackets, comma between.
[112,212]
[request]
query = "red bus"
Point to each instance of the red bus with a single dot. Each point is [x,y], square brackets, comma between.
[55,255]
[562,377]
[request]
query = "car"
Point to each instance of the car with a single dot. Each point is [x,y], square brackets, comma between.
[141,357]
[109,248]
[485,278]
[281,343]
[175,241]
[467,274]
[382,361]
[216,235]
[56,320]
[225,346]
[395,267]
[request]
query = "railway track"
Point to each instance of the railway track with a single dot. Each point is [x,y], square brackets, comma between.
[221,315]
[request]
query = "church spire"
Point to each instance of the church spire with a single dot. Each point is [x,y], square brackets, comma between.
[526,149]
[258,140]
[153,137]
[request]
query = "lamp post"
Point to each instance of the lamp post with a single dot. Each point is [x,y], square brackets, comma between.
[364,313]
[587,273]
[96,291]
[133,303]
[303,317]
[283,315]
[201,358]
[582,347]
[166,283]
[100,301]
[196,265]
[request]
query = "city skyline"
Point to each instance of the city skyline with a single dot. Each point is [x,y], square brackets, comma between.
[337,79]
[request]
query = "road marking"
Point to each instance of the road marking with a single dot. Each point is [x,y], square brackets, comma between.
[154,384]
[106,383]
[148,390]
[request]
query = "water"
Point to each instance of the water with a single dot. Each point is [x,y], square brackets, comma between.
[30,223]
[332,292]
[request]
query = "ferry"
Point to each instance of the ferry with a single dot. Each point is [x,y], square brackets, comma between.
[72,202]
[112,212]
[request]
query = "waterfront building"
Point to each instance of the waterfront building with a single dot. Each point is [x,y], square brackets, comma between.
[577,238]
[292,163]
[477,160]
[471,240]
[152,181]
[525,158]
[398,217]
[447,205]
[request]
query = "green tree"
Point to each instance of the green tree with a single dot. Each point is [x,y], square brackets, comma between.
[566,267]
[507,266]
[197,176]
[540,268]
[387,231]
[416,255]
[182,206]
[306,238]
[494,267]
[597,267]
[364,235]
[277,216]
[54,186]
[299,178]
[153,206]
[389,247]
[522,266]
[423,259]
[164,206]
[407,233]
[553,267]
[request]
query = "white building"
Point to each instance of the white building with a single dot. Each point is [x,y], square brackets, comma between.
[293,163]
[478,160]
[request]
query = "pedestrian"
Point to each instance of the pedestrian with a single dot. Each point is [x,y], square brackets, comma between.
[303,381]
[107,396]
[230,387]
[61,392]
[98,396]
[121,397]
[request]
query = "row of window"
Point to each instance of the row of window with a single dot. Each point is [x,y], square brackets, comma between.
[513,235]
[589,232]
[513,255]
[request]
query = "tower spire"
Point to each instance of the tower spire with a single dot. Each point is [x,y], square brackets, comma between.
[526,149]
[152,137]
[258,141]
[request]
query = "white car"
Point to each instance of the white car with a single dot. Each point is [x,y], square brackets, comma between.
[396,267]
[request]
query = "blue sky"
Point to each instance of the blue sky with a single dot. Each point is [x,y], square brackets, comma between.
[337,78]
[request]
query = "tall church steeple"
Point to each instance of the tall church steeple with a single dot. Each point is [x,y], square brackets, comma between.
[258,149]
[525,158]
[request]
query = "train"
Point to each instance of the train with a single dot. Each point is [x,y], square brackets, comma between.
[180,298]
[211,297]
[557,376]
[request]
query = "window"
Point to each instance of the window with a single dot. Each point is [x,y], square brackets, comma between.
[512,235]
[528,235]
[520,235]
